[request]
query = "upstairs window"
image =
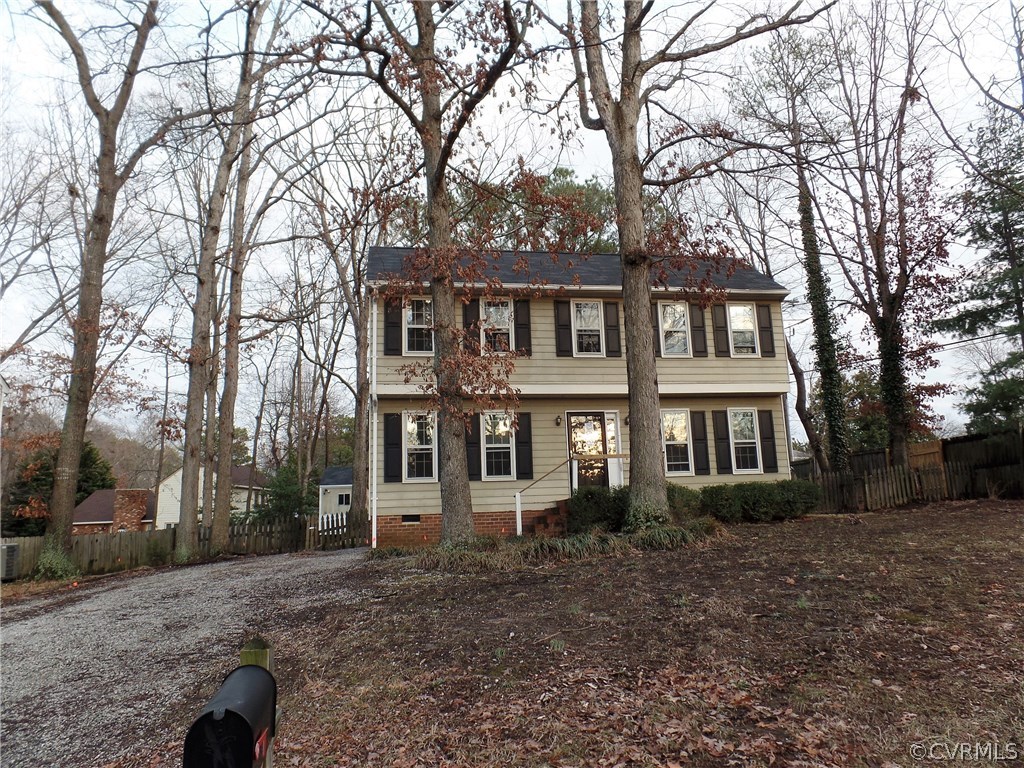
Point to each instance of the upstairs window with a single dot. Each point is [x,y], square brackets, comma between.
[675,432]
[419,321]
[588,327]
[675,329]
[499,455]
[496,325]
[742,329]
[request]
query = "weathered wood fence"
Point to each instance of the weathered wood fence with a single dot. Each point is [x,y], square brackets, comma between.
[899,486]
[108,552]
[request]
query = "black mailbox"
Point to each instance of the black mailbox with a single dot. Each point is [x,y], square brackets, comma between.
[235,728]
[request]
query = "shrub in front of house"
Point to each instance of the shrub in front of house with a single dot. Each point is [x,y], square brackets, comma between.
[759,502]
[683,503]
[591,508]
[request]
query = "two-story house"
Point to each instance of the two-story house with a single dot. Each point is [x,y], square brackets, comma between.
[722,378]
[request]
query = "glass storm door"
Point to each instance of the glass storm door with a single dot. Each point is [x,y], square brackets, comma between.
[588,436]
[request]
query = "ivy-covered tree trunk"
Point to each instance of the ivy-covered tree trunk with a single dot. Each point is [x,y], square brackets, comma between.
[895,388]
[824,328]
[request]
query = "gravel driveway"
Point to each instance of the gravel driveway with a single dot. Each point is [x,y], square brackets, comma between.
[91,673]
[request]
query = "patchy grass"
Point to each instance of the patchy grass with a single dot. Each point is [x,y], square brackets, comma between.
[501,554]
[825,641]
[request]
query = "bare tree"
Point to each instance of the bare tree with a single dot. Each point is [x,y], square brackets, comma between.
[115,161]
[429,81]
[886,227]
[646,82]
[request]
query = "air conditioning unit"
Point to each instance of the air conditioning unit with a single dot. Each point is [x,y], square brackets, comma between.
[8,562]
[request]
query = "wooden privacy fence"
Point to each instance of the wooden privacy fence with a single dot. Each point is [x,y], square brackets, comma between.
[99,552]
[899,486]
[108,552]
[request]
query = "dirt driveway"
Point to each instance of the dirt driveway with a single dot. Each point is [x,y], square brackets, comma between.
[93,673]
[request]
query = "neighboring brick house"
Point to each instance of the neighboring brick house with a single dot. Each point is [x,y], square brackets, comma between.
[722,379]
[112,511]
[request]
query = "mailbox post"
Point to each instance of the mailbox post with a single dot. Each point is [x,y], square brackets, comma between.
[237,727]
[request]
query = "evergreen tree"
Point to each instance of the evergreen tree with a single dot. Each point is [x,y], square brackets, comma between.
[993,302]
[26,511]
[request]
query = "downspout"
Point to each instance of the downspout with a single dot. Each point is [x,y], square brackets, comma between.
[789,440]
[373,419]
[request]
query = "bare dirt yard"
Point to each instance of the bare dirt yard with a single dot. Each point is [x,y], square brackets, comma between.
[889,639]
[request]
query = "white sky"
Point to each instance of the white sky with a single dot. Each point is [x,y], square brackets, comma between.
[29,64]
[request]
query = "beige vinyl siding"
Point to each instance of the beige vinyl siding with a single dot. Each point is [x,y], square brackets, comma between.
[551,451]
[544,373]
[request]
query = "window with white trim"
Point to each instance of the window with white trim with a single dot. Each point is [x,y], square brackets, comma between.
[675,434]
[743,329]
[496,325]
[743,436]
[675,328]
[498,447]
[419,445]
[419,322]
[344,499]
[588,327]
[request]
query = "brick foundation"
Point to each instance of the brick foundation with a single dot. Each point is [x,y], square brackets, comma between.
[393,532]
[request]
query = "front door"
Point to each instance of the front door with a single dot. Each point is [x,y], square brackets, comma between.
[588,437]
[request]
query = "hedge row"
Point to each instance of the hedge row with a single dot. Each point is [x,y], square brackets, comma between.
[604,508]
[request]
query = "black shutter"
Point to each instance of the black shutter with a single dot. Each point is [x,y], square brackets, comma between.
[723,446]
[766,426]
[699,443]
[657,329]
[473,448]
[765,336]
[392,327]
[612,340]
[471,325]
[392,447]
[721,330]
[698,331]
[524,447]
[523,342]
[563,329]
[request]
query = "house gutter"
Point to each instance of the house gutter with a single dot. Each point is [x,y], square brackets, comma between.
[373,419]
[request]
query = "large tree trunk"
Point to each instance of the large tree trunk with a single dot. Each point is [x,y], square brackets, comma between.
[361,427]
[456,498]
[86,328]
[824,330]
[619,120]
[226,423]
[895,388]
[199,354]
[83,372]
[813,438]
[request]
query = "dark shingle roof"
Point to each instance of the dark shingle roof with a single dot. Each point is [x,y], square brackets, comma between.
[98,507]
[248,477]
[336,476]
[599,270]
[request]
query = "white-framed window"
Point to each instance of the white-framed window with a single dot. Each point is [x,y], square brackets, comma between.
[419,446]
[674,319]
[499,456]
[418,321]
[743,437]
[496,325]
[588,328]
[675,434]
[344,499]
[742,330]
